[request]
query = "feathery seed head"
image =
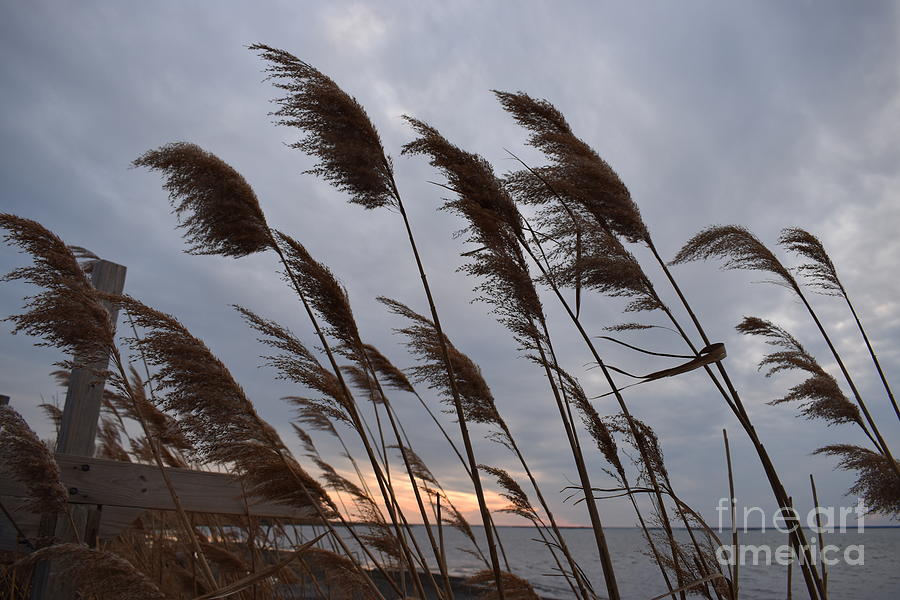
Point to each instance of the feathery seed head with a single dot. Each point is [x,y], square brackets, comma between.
[96,573]
[68,313]
[390,374]
[216,206]
[343,579]
[495,226]
[417,465]
[338,132]
[876,481]
[481,196]
[821,271]
[28,460]
[514,587]
[296,363]
[423,341]
[322,289]
[820,395]
[577,172]
[519,503]
[641,436]
[738,247]
[214,412]
[592,420]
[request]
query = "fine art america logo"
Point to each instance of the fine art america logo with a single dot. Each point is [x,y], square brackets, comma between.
[819,520]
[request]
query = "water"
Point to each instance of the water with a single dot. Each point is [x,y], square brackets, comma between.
[878,578]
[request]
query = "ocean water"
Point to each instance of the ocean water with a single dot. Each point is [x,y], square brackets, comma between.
[876,578]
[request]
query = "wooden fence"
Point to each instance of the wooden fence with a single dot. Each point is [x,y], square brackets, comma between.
[106,496]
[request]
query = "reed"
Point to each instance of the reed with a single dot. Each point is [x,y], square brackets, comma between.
[577,179]
[559,232]
[742,250]
[341,136]
[821,273]
[477,400]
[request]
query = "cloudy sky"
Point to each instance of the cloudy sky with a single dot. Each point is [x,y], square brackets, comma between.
[767,114]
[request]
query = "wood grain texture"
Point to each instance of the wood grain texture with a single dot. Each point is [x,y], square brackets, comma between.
[82,408]
[114,520]
[106,482]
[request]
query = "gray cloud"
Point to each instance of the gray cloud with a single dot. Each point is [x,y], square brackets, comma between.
[769,115]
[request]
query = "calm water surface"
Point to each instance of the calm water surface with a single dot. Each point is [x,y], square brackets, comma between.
[878,578]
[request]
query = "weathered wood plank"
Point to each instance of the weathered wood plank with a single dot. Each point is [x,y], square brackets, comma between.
[83,394]
[26,520]
[115,483]
[77,431]
[115,519]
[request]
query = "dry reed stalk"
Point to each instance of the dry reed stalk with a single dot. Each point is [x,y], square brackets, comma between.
[815,495]
[520,505]
[310,414]
[330,300]
[599,262]
[635,305]
[134,389]
[221,215]
[742,250]
[652,469]
[395,378]
[381,537]
[103,575]
[603,196]
[735,569]
[320,292]
[350,154]
[440,488]
[220,421]
[789,568]
[483,202]
[69,314]
[297,363]
[437,520]
[822,273]
[30,462]
[476,397]
[639,304]
[515,587]
[606,444]
[497,227]
[713,540]
[811,577]
[704,557]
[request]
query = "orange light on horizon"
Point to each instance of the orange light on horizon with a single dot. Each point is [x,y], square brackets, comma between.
[464,501]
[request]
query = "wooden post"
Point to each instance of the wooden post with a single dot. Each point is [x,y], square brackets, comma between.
[82,409]
[4,400]
[76,437]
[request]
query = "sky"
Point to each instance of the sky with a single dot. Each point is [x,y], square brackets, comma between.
[765,114]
